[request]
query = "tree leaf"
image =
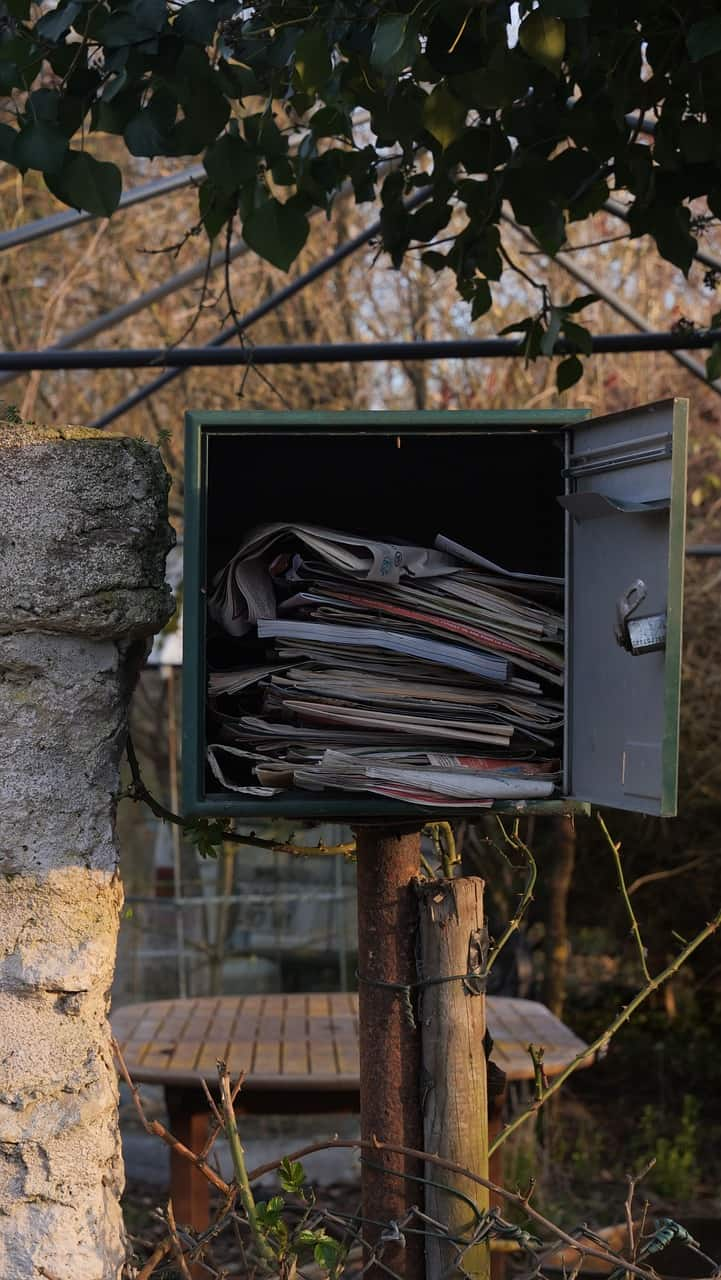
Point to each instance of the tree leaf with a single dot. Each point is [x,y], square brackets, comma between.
[230,163]
[312,59]
[568,373]
[436,261]
[276,232]
[40,145]
[215,208]
[54,25]
[8,138]
[395,44]
[327,1253]
[86,183]
[330,122]
[579,335]
[43,105]
[197,21]
[670,228]
[578,304]
[19,9]
[147,133]
[482,299]
[291,1176]
[544,40]
[444,116]
[566,8]
[704,38]
[713,363]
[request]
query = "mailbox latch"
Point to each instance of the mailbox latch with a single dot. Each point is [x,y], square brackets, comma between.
[638,635]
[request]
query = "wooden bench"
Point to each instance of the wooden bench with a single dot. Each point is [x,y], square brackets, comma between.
[300,1055]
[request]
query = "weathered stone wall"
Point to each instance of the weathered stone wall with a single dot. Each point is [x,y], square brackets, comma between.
[83,538]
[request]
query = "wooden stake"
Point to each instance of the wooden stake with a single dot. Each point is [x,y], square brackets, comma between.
[389,1039]
[453,1026]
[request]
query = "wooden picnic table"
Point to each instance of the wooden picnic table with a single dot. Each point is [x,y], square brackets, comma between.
[300,1055]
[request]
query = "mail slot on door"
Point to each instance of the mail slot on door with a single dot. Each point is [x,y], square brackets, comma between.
[598,504]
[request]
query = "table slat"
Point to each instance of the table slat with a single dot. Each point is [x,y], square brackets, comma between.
[300,1040]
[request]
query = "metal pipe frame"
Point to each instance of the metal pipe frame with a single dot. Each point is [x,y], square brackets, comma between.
[341,352]
[112,318]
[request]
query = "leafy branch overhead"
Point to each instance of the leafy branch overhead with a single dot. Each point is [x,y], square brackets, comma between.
[290,101]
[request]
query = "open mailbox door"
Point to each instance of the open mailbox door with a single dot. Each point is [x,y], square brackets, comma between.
[626,504]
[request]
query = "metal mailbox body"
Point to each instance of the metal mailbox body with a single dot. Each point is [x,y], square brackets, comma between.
[622,482]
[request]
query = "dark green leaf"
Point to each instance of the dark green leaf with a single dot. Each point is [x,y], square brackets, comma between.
[54,25]
[291,1175]
[40,145]
[136,23]
[443,115]
[429,220]
[579,335]
[312,59]
[150,15]
[197,21]
[566,8]
[43,105]
[147,133]
[269,137]
[568,373]
[327,1253]
[670,229]
[482,299]
[525,184]
[8,138]
[276,232]
[436,261]
[704,38]
[215,208]
[204,118]
[282,172]
[578,304]
[395,44]
[551,233]
[330,122]
[87,183]
[543,39]
[230,163]
[113,87]
[713,363]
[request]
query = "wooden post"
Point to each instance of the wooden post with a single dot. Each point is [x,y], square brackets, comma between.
[389,1040]
[453,1026]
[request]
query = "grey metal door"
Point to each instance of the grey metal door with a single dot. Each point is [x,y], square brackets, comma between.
[626,505]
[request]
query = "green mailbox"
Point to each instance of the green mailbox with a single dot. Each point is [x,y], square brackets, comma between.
[599,502]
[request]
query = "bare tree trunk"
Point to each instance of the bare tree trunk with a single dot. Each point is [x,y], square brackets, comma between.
[559,885]
[82,550]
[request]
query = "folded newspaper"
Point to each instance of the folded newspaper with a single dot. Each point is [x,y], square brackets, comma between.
[427,674]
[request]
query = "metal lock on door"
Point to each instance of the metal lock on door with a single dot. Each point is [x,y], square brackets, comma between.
[646,634]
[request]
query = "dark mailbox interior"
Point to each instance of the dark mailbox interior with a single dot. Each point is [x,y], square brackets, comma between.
[494,491]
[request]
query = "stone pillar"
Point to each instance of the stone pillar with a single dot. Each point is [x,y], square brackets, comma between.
[83,539]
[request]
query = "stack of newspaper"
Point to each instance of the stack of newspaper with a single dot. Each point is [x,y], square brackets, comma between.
[426,674]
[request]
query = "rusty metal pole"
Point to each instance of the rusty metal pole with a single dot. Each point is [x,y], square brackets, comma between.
[390,1052]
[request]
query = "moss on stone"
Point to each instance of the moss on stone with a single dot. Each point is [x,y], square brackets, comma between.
[16,434]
